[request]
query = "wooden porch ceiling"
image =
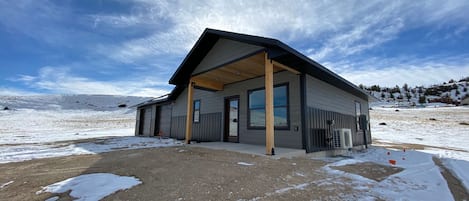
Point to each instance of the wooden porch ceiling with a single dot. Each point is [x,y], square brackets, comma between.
[241,70]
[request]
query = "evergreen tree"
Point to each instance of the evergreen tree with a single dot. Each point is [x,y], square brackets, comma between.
[405,87]
[422,99]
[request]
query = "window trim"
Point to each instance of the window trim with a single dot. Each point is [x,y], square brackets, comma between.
[249,127]
[193,111]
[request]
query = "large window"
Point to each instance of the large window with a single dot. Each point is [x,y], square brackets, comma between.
[196,114]
[256,111]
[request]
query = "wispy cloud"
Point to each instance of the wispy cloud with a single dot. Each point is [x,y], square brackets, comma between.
[339,28]
[153,36]
[59,80]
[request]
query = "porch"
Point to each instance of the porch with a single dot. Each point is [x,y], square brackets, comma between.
[249,66]
[259,150]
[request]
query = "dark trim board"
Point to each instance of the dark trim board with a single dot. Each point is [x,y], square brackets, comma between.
[303,111]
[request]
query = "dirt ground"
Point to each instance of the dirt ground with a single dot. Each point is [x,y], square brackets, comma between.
[190,173]
[180,173]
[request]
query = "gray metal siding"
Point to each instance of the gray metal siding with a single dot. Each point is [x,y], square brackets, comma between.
[333,103]
[147,121]
[178,127]
[207,130]
[212,102]
[327,97]
[180,105]
[318,129]
[223,51]
[165,120]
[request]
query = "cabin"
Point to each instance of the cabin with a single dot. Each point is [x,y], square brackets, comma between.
[240,88]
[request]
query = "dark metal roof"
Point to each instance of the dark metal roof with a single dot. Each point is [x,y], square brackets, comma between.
[277,51]
[162,100]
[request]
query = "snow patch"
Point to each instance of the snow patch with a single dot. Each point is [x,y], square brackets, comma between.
[458,168]
[92,186]
[16,153]
[420,180]
[245,164]
[55,198]
[295,187]
[6,184]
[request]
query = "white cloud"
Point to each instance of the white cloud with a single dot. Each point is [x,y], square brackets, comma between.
[329,30]
[340,28]
[60,81]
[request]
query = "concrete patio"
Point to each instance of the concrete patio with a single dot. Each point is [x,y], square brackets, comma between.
[280,152]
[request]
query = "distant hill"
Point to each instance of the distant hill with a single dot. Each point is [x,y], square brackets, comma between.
[451,92]
[70,102]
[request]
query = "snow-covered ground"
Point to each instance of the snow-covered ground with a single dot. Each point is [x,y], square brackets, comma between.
[441,127]
[23,152]
[420,179]
[441,131]
[23,126]
[70,102]
[91,186]
[40,119]
[44,126]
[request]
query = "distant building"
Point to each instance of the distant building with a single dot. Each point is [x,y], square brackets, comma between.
[465,100]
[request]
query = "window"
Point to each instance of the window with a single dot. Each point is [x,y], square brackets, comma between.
[196,114]
[256,105]
[358,111]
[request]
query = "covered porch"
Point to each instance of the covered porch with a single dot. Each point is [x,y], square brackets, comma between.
[246,67]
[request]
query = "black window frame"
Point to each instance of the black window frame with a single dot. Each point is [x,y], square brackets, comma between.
[287,127]
[194,109]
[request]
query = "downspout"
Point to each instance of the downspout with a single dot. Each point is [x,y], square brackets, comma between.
[304,128]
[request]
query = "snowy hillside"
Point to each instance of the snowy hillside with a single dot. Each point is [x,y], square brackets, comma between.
[452,92]
[70,102]
[51,118]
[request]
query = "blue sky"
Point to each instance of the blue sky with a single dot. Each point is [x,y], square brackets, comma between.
[132,47]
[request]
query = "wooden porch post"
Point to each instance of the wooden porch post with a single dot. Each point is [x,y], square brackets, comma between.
[190,109]
[269,106]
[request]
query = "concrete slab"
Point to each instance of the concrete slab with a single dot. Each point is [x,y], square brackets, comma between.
[252,149]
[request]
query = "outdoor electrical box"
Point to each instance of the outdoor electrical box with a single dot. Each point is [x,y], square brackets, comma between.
[363,122]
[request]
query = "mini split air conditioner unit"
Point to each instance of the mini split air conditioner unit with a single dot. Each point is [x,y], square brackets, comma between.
[342,138]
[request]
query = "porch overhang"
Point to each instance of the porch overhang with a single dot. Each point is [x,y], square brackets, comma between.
[236,71]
